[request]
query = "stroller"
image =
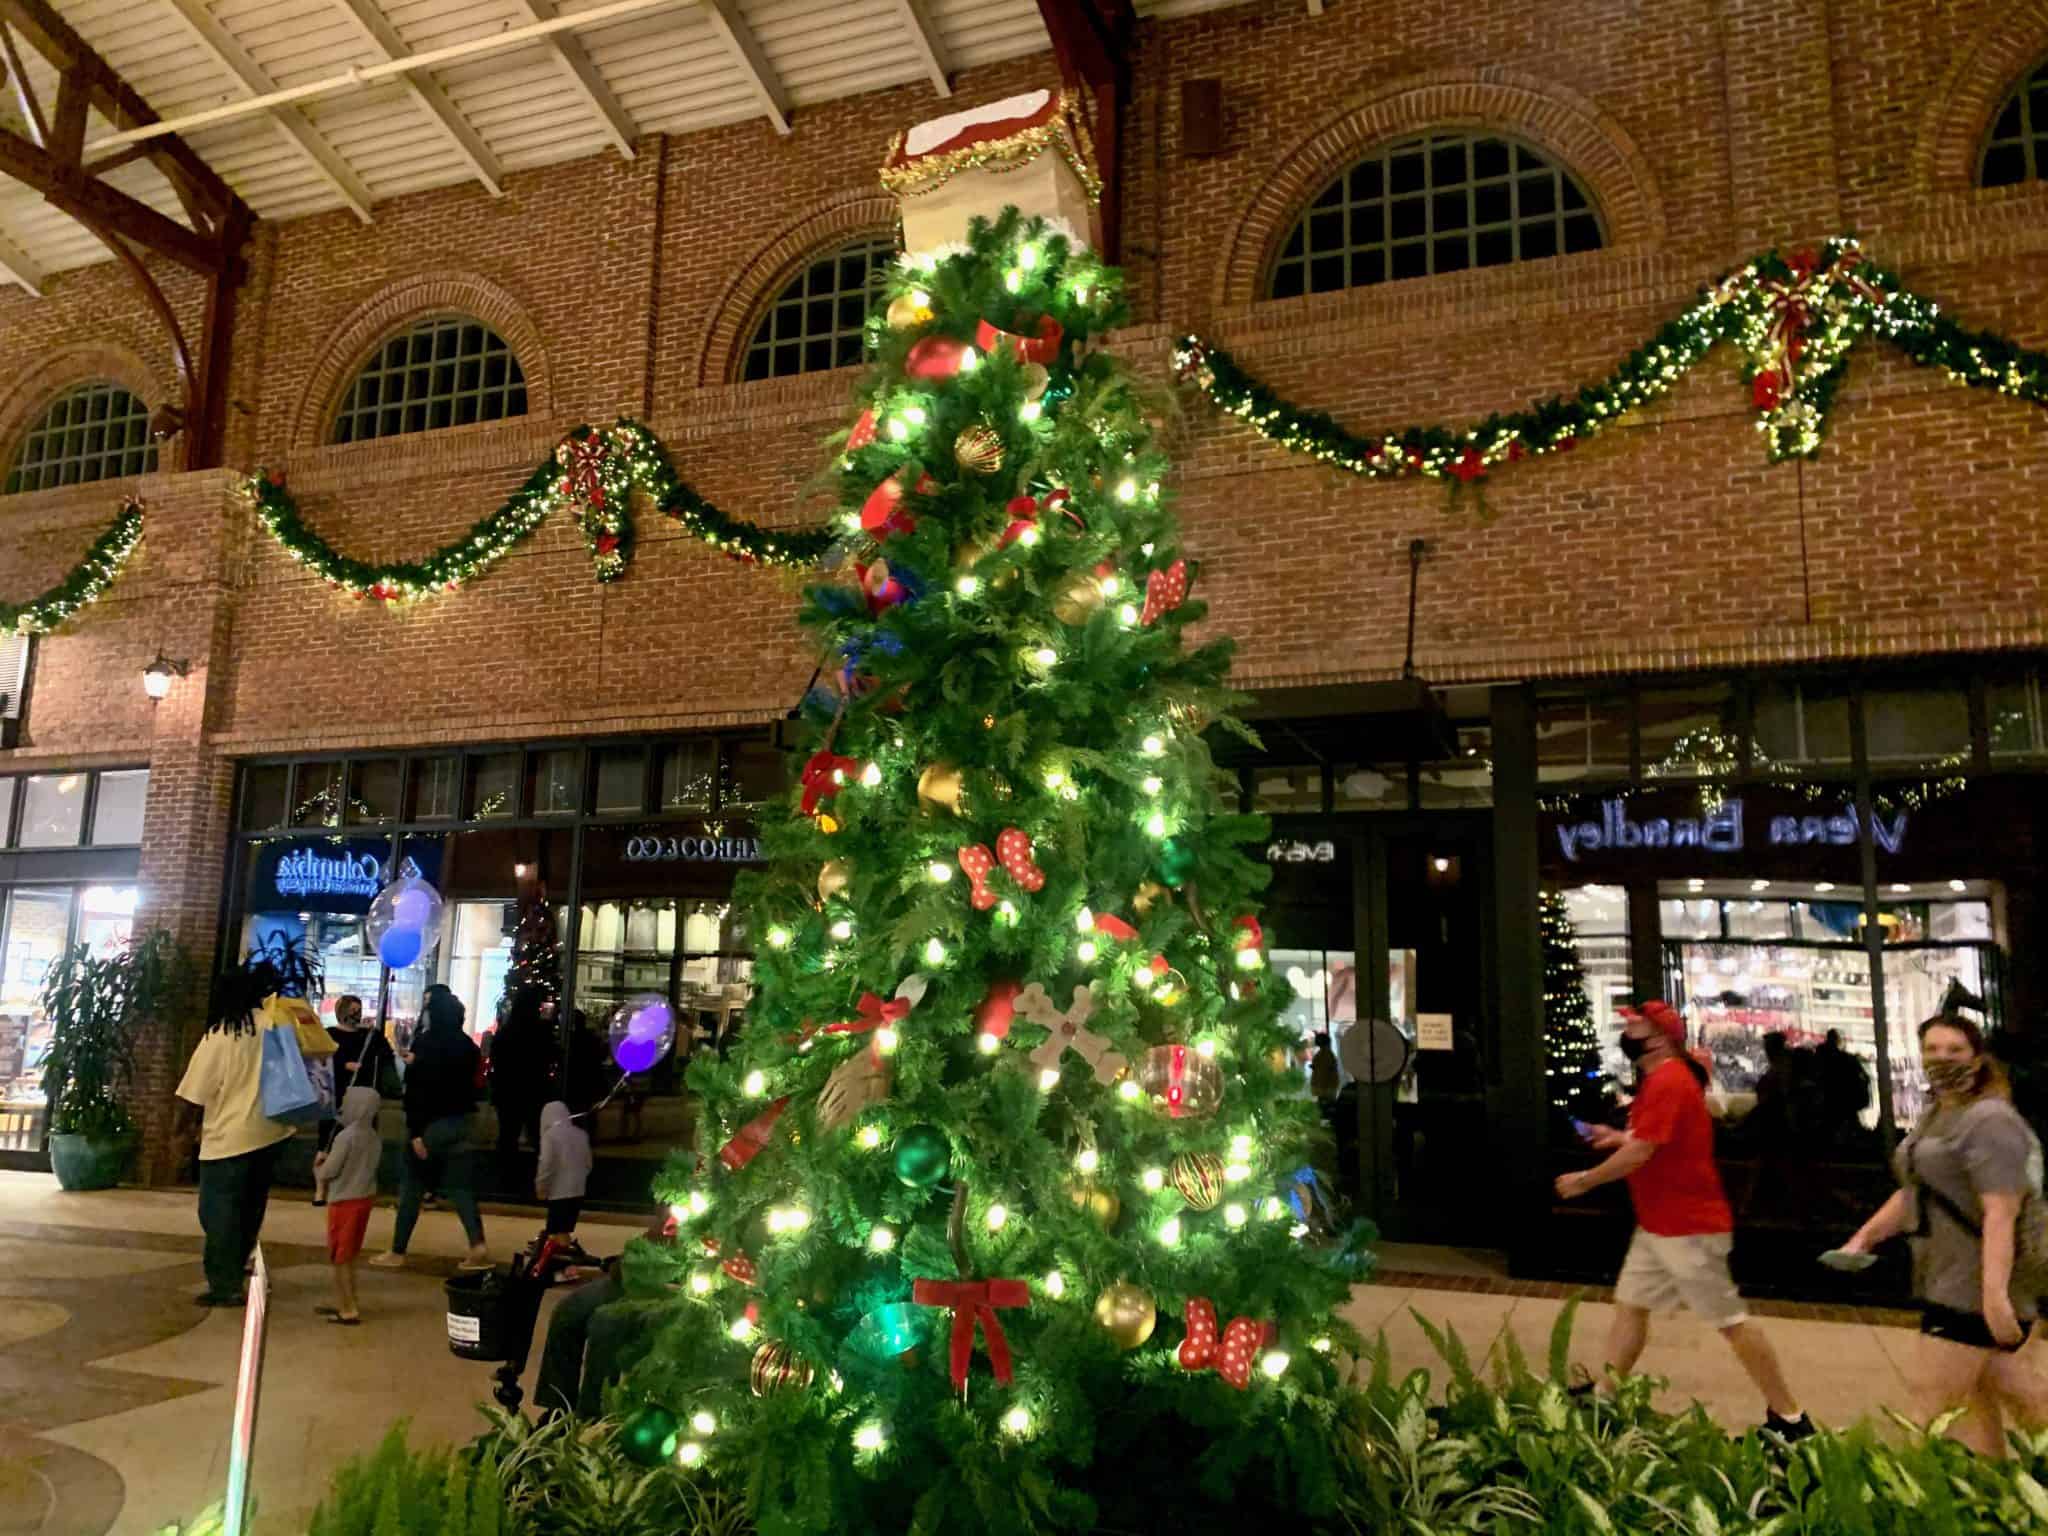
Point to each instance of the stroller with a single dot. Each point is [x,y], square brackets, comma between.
[491,1313]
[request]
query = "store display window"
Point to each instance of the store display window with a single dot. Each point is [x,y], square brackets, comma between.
[37,924]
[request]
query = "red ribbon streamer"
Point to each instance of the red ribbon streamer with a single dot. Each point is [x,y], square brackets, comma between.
[818,781]
[974,1302]
[584,477]
[1041,348]
[874,1013]
[752,1137]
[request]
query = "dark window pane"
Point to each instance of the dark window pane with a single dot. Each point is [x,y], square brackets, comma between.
[436,787]
[817,355]
[1325,231]
[558,782]
[2008,125]
[1366,182]
[439,373]
[2005,165]
[494,785]
[316,795]
[1573,197]
[1490,205]
[685,771]
[1295,239]
[1453,255]
[753,774]
[1331,196]
[264,787]
[1404,172]
[1326,274]
[90,432]
[621,779]
[1287,280]
[818,316]
[1408,220]
[1536,194]
[1450,211]
[373,790]
[1411,260]
[1489,158]
[1581,233]
[1369,267]
[1447,164]
[1368,225]
[1538,241]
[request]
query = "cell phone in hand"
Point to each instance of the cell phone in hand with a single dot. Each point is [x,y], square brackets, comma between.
[1844,1262]
[1585,1131]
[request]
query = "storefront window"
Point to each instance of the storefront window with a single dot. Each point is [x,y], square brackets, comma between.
[558,782]
[117,807]
[37,927]
[52,810]
[751,774]
[317,795]
[2013,710]
[688,770]
[1582,736]
[1803,723]
[1277,791]
[621,780]
[1599,919]
[1917,726]
[1689,732]
[436,787]
[494,785]
[265,787]
[1365,787]
[373,789]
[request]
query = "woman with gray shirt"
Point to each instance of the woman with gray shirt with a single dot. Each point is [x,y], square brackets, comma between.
[1963,1174]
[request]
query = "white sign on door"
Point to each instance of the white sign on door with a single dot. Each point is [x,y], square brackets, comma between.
[1433,1032]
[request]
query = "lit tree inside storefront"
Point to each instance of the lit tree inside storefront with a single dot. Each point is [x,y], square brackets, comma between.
[992,1224]
[536,952]
[1578,1083]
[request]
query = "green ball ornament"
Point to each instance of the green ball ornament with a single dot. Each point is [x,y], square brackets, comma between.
[1176,862]
[648,1438]
[922,1156]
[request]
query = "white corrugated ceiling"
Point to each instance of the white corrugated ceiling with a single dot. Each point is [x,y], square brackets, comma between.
[679,66]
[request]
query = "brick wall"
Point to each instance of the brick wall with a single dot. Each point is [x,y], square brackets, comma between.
[1701,130]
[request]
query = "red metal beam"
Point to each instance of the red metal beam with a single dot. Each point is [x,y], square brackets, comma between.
[66,186]
[1091,39]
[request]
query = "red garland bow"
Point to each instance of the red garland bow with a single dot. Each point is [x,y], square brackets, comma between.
[583,460]
[752,1138]
[1469,466]
[818,781]
[1041,348]
[1024,512]
[1165,591]
[1250,934]
[1790,304]
[974,1302]
[874,1013]
[882,513]
[1232,1357]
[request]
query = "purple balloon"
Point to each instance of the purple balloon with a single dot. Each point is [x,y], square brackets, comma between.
[399,947]
[411,908]
[636,1055]
[650,1023]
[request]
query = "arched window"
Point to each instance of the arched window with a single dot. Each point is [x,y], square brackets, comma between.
[92,432]
[815,322]
[448,371]
[1437,204]
[2016,149]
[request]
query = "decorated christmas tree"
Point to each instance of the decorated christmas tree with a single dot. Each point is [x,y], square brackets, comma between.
[992,1224]
[1578,1083]
[536,954]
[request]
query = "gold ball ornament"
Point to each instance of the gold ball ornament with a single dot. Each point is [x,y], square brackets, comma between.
[778,1368]
[1036,380]
[939,788]
[905,311]
[978,450]
[1076,597]
[1097,1200]
[834,875]
[1127,1314]
[1181,1081]
[1198,1179]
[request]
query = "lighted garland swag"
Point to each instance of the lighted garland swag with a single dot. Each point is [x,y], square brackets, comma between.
[1796,318]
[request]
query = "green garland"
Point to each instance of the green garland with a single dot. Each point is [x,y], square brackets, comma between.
[83,583]
[1795,317]
[592,475]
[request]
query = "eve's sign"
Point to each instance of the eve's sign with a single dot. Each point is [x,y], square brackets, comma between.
[1301,853]
[693,850]
[1721,830]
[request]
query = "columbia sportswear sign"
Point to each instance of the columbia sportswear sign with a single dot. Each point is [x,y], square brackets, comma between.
[1726,828]
[310,872]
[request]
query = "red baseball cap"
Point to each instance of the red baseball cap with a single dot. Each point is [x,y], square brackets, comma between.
[1661,1016]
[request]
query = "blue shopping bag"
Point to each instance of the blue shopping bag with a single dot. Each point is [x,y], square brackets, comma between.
[289,1096]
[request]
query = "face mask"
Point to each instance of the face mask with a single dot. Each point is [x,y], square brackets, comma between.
[1951,1076]
[1632,1047]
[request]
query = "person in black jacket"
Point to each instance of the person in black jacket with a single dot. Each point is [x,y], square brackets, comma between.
[440,1094]
[524,1056]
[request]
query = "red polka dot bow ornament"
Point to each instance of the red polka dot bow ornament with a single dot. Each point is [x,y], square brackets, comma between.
[1232,1353]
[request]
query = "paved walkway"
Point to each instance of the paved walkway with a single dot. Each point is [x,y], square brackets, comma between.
[116,1392]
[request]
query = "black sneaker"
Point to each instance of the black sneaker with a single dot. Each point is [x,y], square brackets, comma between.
[1790,1431]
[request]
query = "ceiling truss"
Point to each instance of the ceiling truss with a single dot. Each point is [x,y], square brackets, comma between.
[924,36]
[740,42]
[427,93]
[573,61]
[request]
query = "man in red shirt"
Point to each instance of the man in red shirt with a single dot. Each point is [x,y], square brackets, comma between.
[1684,1228]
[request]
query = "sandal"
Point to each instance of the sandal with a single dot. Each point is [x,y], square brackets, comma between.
[345,1322]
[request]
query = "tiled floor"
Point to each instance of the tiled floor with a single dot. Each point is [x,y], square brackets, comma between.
[115,1392]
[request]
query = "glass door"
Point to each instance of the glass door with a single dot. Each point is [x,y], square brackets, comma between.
[37,928]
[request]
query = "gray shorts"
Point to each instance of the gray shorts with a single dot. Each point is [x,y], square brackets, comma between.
[1663,1273]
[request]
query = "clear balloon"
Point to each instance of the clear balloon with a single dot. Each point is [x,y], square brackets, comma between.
[641,1031]
[408,906]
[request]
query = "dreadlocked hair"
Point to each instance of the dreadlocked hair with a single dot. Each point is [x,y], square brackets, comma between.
[237,993]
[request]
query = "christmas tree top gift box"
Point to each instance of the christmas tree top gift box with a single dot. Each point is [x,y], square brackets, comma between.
[1029,152]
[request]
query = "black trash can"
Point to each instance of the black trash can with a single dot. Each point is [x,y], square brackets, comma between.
[491,1315]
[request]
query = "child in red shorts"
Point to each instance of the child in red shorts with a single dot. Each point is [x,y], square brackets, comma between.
[349,1169]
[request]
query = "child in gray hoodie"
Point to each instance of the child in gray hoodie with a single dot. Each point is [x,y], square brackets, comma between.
[564,1171]
[349,1170]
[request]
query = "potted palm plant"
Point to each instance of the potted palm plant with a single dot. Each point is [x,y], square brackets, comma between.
[95,1004]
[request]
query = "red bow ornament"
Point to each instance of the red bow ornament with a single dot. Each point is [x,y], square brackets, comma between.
[882,513]
[1040,347]
[1232,1354]
[1025,511]
[1165,591]
[824,776]
[582,458]
[863,431]
[881,586]
[973,1303]
[935,357]
[1468,466]
[873,1014]
[1249,934]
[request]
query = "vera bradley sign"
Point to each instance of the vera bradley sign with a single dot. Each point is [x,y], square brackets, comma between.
[1733,826]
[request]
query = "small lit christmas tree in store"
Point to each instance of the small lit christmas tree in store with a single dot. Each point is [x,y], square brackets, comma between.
[992,1225]
[1578,1083]
[536,951]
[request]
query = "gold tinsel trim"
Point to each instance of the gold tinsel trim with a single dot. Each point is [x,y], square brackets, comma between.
[1066,132]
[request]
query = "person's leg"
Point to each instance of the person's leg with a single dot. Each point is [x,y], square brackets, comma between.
[448,1141]
[411,1185]
[1626,1337]
[2020,1389]
[617,1339]
[558,1386]
[1953,1375]
[345,1287]
[563,1214]
[1752,1347]
[1644,1286]
[255,1197]
[220,1208]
